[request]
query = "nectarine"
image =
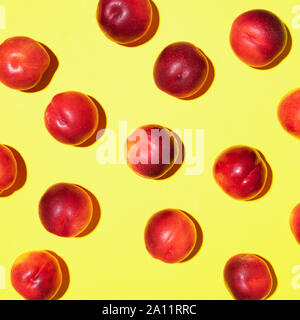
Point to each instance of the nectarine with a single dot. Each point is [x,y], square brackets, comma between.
[65,209]
[295,222]
[289,113]
[170,235]
[180,69]
[23,61]
[248,277]
[241,172]
[36,275]
[151,151]
[71,117]
[8,168]
[258,37]
[124,21]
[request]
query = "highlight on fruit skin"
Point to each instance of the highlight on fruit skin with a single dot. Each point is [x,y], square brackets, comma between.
[36,275]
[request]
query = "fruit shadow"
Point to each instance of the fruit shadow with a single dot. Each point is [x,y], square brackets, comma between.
[199,240]
[96,215]
[208,82]
[269,179]
[179,159]
[283,54]
[273,276]
[100,128]
[49,73]
[151,31]
[65,276]
[21,174]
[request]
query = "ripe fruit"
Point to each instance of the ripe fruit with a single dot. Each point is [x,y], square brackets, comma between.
[248,277]
[36,275]
[180,70]
[8,168]
[295,222]
[170,235]
[124,21]
[289,113]
[151,151]
[241,172]
[65,209]
[23,61]
[258,37]
[71,117]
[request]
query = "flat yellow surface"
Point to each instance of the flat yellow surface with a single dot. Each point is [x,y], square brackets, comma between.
[239,108]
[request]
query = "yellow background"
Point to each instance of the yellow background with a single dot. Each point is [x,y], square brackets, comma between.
[239,108]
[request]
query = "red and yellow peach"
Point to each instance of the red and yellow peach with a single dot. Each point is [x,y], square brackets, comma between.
[258,37]
[36,275]
[170,235]
[65,209]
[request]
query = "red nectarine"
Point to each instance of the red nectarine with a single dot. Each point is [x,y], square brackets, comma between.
[258,37]
[8,168]
[180,70]
[170,235]
[124,21]
[295,222]
[241,172]
[65,209]
[36,275]
[289,113]
[71,117]
[151,151]
[23,62]
[248,277]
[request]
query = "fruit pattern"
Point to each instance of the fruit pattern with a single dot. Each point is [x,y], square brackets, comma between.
[257,37]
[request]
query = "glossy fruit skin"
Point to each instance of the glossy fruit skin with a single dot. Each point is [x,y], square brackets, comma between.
[156,156]
[170,235]
[258,37]
[124,21]
[8,168]
[180,70]
[248,277]
[71,117]
[23,62]
[295,222]
[36,275]
[289,113]
[65,209]
[241,172]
